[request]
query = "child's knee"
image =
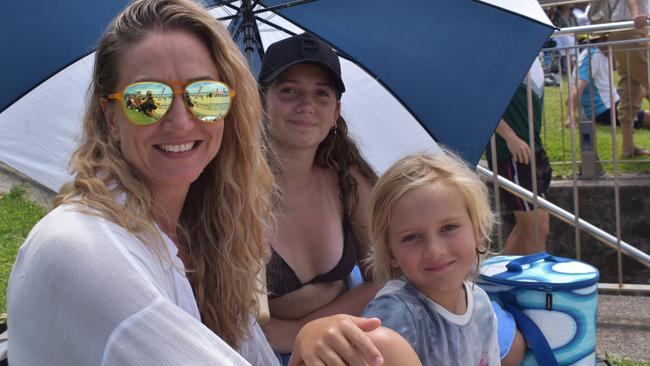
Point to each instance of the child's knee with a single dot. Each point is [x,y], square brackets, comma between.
[393,347]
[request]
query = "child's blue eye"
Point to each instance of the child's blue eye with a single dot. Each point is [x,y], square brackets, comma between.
[449,227]
[411,237]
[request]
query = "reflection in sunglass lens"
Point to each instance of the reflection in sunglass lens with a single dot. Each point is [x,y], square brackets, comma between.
[208,100]
[147,102]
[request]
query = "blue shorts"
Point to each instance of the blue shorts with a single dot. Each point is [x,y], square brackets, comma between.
[506,329]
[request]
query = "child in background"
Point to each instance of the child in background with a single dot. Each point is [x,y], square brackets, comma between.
[430,223]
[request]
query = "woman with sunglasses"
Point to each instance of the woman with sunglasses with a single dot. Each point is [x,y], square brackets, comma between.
[324,185]
[152,253]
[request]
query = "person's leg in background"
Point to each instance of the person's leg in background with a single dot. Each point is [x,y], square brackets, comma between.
[632,66]
[524,239]
[532,226]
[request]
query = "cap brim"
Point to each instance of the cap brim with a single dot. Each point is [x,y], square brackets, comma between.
[338,83]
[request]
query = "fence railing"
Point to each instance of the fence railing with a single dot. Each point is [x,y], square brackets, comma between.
[611,241]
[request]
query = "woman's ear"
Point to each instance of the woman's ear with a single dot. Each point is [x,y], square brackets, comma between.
[109,115]
[337,111]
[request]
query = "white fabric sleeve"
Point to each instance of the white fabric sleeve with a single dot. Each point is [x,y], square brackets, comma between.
[162,335]
[75,298]
[257,349]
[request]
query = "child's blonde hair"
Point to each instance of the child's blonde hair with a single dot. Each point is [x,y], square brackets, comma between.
[415,171]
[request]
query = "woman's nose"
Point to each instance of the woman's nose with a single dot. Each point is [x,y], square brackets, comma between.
[178,118]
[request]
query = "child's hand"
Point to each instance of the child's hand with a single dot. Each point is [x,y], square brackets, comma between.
[336,340]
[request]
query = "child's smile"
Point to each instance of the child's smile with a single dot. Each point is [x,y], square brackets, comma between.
[432,241]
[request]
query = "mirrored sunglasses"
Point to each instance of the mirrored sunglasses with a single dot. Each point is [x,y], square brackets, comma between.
[146,102]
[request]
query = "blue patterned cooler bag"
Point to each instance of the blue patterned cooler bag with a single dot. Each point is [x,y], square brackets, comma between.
[554,302]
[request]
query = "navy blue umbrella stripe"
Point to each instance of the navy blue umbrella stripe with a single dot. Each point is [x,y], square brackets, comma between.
[38,42]
[452,64]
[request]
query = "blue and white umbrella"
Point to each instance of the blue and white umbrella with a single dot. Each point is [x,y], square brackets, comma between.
[417,72]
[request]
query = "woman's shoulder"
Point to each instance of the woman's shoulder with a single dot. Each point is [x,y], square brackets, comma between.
[74,235]
[65,224]
[69,224]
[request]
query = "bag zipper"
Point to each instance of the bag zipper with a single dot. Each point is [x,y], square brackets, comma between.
[542,286]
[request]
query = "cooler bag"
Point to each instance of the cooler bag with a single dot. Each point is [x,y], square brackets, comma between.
[554,302]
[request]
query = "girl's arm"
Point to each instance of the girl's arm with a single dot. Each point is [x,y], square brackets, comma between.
[281,333]
[359,342]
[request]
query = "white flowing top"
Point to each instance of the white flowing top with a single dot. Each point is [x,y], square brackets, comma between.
[84,291]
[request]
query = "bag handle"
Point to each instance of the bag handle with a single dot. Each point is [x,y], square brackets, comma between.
[516,265]
[533,335]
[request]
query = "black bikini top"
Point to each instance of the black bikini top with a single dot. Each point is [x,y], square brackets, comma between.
[281,279]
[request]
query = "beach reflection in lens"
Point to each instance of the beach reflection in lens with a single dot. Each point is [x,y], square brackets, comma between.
[147,102]
[208,100]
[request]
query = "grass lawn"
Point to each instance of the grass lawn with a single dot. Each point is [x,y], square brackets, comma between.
[557,140]
[625,362]
[17,216]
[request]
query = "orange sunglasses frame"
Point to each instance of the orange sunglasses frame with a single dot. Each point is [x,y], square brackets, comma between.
[177,87]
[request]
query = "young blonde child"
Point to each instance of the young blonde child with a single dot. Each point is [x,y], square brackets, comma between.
[430,223]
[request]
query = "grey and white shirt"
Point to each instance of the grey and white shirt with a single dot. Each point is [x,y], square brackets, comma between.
[438,336]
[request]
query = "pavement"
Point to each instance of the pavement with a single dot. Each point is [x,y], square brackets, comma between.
[623,328]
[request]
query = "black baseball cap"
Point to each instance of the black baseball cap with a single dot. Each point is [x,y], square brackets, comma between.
[301,49]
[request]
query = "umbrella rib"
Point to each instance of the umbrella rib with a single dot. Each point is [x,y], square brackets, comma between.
[258,42]
[236,27]
[283,6]
[228,4]
[262,20]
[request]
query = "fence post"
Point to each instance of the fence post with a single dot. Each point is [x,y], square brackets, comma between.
[590,165]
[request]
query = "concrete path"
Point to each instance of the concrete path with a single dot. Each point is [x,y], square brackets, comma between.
[624,326]
[34,191]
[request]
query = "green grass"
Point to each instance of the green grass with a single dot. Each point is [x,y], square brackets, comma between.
[17,216]
[614,361]
[557,141]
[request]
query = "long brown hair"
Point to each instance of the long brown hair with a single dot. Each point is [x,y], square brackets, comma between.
[339,152]
[227,207]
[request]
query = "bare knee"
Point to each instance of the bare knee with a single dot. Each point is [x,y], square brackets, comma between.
[393,347]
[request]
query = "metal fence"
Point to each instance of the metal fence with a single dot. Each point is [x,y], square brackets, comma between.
[581,136]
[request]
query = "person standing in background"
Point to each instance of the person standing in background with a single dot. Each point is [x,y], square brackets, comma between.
[515,163]
[632,66]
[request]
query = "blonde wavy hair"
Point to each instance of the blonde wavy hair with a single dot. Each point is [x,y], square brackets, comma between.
[419,170]
[227,209]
